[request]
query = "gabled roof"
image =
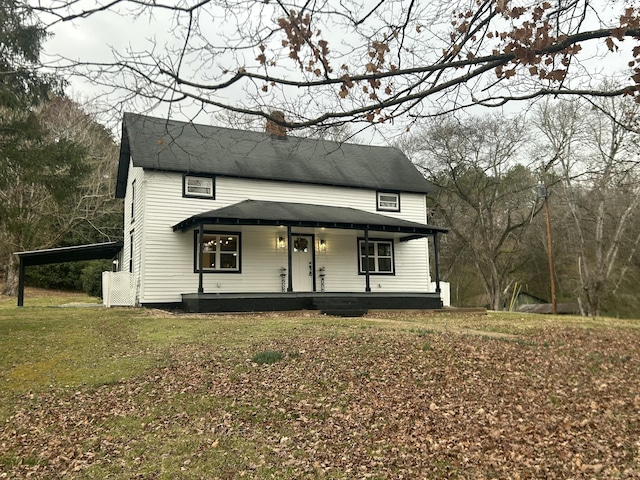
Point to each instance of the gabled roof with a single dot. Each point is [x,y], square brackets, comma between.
[168,145]
[257,212]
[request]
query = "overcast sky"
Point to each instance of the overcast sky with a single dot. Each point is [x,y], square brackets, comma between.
[93,39]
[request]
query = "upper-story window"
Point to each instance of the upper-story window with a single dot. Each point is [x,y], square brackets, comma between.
[389,201]
[195,186]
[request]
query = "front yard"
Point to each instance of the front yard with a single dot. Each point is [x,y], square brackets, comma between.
[125,393]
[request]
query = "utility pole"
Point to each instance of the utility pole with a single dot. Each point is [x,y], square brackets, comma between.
[542,192]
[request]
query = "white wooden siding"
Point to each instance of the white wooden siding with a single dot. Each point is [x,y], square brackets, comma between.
[342,271]
[234,190]
[136,226]
[168,256]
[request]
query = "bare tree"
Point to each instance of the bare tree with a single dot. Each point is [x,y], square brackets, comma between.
[592,149]
[484,195]
[336,133]
[354,60]
[40,210]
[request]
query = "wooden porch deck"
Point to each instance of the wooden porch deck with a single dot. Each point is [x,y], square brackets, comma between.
[343,304]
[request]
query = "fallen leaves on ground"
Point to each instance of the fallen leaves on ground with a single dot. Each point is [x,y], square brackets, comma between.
[368,403]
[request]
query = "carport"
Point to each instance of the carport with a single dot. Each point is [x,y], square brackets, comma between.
[94,251]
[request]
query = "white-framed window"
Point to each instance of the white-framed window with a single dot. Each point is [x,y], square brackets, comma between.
[220,252]
[380,256]
[195,186]
[389,201]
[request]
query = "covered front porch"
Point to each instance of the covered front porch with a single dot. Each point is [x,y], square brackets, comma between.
[373,240]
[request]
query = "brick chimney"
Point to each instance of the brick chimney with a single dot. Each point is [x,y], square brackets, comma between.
[273,128]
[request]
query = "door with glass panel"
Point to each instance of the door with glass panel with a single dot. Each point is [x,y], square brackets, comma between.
[302,263]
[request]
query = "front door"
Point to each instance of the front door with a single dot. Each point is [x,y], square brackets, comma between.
[302,263]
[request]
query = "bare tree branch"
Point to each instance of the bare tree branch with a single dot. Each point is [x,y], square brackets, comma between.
[398,58]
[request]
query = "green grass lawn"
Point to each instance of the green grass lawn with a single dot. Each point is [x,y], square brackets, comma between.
[130,393]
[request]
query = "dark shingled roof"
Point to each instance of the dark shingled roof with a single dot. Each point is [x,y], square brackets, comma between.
[256,212]
[168,145]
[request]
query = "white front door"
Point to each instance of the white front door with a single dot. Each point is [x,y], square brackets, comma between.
[302,263]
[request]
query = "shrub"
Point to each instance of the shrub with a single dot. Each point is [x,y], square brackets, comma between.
[56,276]
[73,276]
[91,277]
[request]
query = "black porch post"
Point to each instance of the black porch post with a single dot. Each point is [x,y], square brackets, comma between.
[436,261]
[367,287]
[200,257]
[21,283]
[289,259]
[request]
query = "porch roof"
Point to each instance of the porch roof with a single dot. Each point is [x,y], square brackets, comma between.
[259,212]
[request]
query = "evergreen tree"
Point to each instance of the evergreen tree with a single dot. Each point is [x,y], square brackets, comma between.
[36,171]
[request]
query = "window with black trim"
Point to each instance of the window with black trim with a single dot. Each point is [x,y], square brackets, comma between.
[131,244]
[389,201]
[195,186]
[220,253]
[133,201]
[380,256]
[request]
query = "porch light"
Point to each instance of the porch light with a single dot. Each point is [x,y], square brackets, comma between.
[322,245]
[280,243]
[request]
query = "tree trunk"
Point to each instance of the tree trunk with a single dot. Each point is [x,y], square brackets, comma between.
[11,277]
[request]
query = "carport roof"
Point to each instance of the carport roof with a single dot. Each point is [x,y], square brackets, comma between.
[94,251]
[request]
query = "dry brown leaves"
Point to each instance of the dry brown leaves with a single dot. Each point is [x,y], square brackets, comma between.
[563,403]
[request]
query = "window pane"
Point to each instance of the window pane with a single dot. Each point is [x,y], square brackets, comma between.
[199,186]
[384,264]
[384,249]
[210,244]
[388,200]
[228,261]
[209,260]
[371,248]
[372,264]
[228,244]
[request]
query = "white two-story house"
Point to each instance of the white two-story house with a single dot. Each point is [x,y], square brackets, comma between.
[219,219]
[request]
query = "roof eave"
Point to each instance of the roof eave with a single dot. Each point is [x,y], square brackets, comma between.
[420,191]
[195,221]
[123,162]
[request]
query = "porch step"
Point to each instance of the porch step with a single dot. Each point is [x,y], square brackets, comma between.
[346,313]
[339,307]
